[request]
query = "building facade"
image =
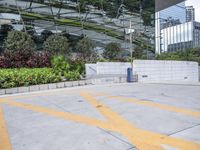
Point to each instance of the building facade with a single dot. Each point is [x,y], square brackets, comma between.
[166,18]
[180,37]
[190,13]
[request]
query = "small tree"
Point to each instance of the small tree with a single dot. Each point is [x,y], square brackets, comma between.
[138,52]
[85,48]
[45,34]
[5,28]
[19,41]
[112,51]
[56,44]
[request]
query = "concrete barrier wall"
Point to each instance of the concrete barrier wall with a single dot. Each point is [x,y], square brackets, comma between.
[147,70]
[153,70]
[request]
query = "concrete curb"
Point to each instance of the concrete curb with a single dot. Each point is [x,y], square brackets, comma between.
[43,87]
[50,86]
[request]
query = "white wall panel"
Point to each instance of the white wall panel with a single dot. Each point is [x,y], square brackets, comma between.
[153,70]
[112,68]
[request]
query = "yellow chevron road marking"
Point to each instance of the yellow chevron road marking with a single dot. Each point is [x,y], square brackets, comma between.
[183,111]
[4,138]
[59,114]
[142,139]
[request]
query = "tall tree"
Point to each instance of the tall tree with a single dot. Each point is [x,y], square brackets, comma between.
[85,49]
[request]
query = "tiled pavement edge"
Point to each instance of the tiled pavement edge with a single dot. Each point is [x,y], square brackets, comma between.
[42,87]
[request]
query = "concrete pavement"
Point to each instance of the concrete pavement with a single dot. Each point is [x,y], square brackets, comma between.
[110,117]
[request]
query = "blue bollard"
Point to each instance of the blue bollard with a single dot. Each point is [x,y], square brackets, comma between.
[129,75]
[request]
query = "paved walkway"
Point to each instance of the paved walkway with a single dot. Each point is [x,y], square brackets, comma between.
[110,117]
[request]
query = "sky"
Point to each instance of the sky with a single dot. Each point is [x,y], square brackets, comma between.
[175,12]
[196,5]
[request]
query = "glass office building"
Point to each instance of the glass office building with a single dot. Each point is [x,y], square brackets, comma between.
[174,32]
[176,38]
[180,37]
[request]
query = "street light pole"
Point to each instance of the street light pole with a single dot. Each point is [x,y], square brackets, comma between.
[131,44]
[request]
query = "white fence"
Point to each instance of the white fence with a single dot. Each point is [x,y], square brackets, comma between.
[147,70]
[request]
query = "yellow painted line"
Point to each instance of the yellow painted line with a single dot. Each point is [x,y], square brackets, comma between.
[143,140]
[188,112]
[4,138]
[59,114]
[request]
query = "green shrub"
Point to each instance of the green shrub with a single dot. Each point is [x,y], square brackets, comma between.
[62,68]
[192,54]
[78,66]
[56,44]
[112,51]
[72,75]
[19,41]
[85,48]
[60,65]
[24,77]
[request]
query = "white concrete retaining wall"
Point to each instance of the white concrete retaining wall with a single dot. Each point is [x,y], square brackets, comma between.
[199,73]
[104,69]
[153,70]
[147,70]
[91,70]
[112,68]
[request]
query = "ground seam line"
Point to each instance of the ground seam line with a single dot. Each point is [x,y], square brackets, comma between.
[116,137]
[183,130]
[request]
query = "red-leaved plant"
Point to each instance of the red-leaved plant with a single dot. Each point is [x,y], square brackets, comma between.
[24,59]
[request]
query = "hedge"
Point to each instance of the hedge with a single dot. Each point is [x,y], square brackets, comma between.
[10,78]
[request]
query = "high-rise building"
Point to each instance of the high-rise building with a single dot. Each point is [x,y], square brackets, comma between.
[190,13]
